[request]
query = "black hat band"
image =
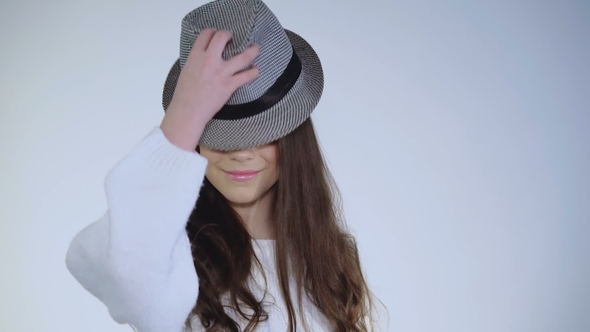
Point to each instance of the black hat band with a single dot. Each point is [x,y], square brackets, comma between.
[272,96]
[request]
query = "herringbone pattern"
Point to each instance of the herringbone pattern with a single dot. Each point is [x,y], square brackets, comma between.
[251,21]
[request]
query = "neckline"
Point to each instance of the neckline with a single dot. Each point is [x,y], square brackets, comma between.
[266,245]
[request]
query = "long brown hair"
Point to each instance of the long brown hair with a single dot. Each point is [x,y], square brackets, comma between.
[312,244]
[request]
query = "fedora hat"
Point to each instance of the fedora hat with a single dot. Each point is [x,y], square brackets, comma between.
[287,89]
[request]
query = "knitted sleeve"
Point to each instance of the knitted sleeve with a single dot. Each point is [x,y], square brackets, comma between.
[136,258]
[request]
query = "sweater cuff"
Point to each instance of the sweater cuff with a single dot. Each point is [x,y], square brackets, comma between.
[156,155]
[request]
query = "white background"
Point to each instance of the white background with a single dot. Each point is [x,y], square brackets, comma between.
[458,132]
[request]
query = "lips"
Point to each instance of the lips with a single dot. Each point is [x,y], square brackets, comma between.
[242,176]
[250,172]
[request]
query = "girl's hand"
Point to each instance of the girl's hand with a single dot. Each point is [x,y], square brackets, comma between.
[205,84]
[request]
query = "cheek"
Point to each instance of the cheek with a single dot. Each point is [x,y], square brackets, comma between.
[274,165]
[270,154]
[275,171]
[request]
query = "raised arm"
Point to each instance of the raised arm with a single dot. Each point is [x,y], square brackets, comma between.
[136,258]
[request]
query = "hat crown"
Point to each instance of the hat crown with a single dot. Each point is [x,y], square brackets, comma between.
[250,21]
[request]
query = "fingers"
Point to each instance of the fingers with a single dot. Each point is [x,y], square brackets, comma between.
[204,38]
[214,42]
[244,77]
[218,42]
[243,59]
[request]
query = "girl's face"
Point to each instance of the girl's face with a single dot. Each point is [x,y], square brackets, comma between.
[226,171]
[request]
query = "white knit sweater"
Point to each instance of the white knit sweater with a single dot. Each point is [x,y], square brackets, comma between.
[136,258]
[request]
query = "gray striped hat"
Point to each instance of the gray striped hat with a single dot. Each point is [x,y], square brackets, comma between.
[289,85]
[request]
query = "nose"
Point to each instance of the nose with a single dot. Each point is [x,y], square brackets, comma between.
[241,155]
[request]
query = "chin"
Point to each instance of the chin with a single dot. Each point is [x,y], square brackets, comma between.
[240,198]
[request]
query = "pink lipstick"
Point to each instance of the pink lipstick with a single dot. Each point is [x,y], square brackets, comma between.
[242,176]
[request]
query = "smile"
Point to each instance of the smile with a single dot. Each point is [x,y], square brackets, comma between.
[242,176]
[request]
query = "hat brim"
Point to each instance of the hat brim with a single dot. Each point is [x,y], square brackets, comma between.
[277,121]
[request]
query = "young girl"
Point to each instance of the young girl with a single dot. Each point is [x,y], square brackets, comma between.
[246,233]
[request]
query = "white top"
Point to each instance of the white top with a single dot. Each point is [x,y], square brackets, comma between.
[136,258]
